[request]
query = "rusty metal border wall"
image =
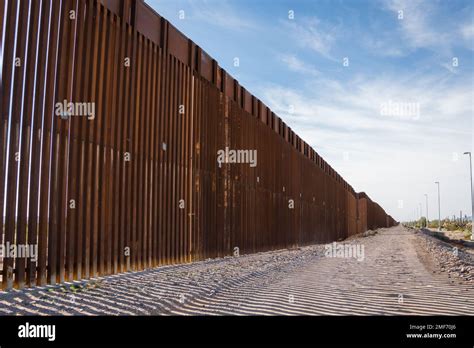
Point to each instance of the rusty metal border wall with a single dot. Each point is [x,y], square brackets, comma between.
[138,184]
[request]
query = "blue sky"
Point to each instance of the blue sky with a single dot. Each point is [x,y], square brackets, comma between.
[422,56]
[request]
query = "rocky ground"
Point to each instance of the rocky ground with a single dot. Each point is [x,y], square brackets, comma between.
[402,272]
[455,260]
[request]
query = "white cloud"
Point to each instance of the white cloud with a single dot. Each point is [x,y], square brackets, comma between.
[415,25]
[450,67]
[390,157]
[424,25]
[311,33]
[383,47]
[467,31]
[297,65]
[219,13]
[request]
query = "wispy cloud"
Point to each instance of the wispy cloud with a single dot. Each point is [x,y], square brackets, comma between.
[330,103]
[416,24]
[424,25]
[297,65]
[383,47]
[468,31]
[344,123]
[311,33]
[222,14]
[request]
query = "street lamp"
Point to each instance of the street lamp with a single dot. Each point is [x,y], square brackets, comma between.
[426,196]
[421,215]
[472,202]
[439,208]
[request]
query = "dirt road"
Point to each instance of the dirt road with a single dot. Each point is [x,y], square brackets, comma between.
[398,274]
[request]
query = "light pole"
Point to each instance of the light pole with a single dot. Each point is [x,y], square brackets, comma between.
[439,208]
[472,202]
[421,215]
[426,197]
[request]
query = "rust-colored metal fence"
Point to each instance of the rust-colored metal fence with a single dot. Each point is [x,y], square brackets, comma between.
[111,123]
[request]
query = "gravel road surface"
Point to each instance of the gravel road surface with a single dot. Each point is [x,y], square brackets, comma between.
[402,272]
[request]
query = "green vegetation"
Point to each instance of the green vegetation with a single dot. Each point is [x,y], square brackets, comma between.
[452,225]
